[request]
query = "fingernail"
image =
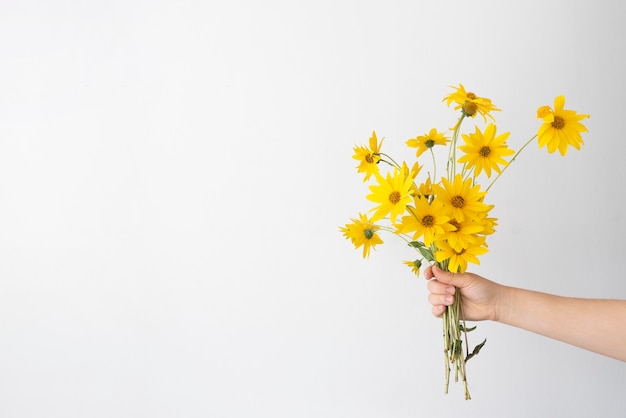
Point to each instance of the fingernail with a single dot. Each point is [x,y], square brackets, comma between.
[448,299]
[450,290]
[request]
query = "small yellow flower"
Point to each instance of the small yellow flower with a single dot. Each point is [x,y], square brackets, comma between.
[484,151]
[457,260]
[461,198]
[368,157]
[427,141]
[462,234]
[413,171]
[561,127]
[425,220]
[488,224]
[391,193]
[470,104]
[362,232]
[415,266]
[425,189]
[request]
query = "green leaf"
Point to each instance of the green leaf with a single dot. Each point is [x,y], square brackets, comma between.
[476,350]
[426,253]
[416,244]
[462,328]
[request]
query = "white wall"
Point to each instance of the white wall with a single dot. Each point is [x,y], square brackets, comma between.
[173,175]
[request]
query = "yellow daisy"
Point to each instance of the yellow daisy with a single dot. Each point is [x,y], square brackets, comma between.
[427,141]
[457,260]
[561,127]
[362,232]
[488,224]
[368,157]
[484,151]
[461,198]
[462,234]
[470,104]
[426,219]
[392,193]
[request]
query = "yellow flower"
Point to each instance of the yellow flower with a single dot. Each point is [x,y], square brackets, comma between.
[484,151]
[461,199]
[362,232]
[368,157]
[415,266]
[488,224]
[391,193]
[561,127]
[426,219]
[470,104]
[412,173]
[457,260]
[462,234]
[426,142]
[426,189]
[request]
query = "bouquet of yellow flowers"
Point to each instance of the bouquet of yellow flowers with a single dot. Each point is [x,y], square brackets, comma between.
[446,219]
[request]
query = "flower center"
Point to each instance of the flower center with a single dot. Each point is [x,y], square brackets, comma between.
[428,221]
[471,95]
[368,233]
[369,158]
[558,122]
[458,201]
[470,108]
[455,224]
[485,151]
[394,197]
[429,143]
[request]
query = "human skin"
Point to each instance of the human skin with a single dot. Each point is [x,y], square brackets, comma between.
[597,325]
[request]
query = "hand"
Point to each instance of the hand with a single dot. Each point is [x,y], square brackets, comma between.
[480,297]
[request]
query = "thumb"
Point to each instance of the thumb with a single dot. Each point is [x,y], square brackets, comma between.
[446,277]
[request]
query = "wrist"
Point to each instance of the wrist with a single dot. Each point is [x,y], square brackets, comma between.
[502,307]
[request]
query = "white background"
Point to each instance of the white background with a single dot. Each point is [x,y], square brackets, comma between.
[173,175]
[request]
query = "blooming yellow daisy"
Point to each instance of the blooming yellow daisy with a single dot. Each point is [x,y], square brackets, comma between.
[470,104]
[461,198]
[457,260]
[368,157]
[427,141]
[561,127]
[425,219]
[362,232]
[484,151]
[392,193]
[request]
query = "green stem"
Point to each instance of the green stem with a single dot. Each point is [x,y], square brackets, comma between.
[512,159]
[451,169]
[391,159]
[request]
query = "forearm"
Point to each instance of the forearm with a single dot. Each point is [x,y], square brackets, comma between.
[597,325]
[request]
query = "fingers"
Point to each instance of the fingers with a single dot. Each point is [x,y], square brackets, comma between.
[438,310]
[428,273]
[444,298]
[439,288]
[441,293]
